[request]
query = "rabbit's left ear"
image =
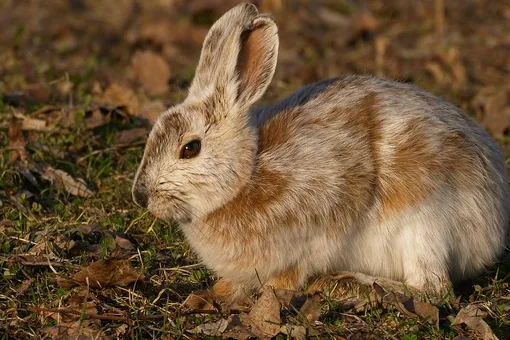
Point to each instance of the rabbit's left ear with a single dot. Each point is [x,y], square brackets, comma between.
[256,62]
[238,57]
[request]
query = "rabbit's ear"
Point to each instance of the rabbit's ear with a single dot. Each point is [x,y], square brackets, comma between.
[257,58]
[238,56]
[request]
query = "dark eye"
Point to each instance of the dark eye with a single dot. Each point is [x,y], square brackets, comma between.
[192,149]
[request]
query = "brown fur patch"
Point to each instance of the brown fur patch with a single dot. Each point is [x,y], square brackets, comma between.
[265,188]
[410,178]
[221,290]
[276,132]
[289,279]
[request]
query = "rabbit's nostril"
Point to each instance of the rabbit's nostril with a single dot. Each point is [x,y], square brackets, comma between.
[140,196]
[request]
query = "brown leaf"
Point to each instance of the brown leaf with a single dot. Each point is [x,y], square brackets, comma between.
[407,305]
[265,314]
[118,96]
[83,330]
[96,118]
[200,300]
[237,329]
[472,316]
[76,187]
[124,243]
[212,328]
[127,137]
[17,142]
[494,106]
[36,260]
[107,273]
[312,308]
[294,331]
[152,71]
[33,124]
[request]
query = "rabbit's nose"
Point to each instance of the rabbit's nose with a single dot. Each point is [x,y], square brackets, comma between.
[140,196]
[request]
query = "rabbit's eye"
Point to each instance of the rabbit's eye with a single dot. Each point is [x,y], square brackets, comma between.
[192,149]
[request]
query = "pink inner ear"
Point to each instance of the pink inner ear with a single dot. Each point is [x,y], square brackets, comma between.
[251,58]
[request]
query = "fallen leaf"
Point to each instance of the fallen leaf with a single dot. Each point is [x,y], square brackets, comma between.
[33,124]
[407,305]
[96,118]
[76,187]
[17,142]
[200,300]
[152,71]
[127,137]
[494,106]
[36,260]
[236,329]
[118,96]
[107,273]
[294,331]
[83,330]
[212,328]
[265,314]
[472,316]
[124,243]
[312,308]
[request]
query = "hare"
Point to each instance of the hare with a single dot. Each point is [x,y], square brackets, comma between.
[354,173]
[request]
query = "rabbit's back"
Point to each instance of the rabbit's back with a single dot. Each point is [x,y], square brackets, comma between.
[394,168]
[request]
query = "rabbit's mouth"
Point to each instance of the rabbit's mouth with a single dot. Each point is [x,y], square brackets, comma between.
[169,211]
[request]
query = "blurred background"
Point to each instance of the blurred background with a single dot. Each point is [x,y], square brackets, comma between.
[55,51]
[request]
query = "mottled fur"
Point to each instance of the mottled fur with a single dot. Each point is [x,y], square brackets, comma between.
[351,174]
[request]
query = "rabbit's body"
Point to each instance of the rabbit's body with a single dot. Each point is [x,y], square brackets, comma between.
[350,174]
[393,182]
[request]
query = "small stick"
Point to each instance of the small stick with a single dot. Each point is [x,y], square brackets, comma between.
[110,317]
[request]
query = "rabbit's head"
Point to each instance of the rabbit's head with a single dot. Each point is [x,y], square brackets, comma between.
[201,152]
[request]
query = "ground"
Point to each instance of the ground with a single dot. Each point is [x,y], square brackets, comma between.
[81,81]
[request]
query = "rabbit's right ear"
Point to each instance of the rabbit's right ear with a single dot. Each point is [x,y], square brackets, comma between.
[238,56]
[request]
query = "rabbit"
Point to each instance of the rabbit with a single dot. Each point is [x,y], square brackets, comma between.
[354,173]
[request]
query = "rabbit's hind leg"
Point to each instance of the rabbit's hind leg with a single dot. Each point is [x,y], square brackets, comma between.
[353,287]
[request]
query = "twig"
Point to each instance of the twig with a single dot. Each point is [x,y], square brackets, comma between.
[109,317]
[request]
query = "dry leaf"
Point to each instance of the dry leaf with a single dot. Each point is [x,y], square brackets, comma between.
[265,314]
[212,328]
[494,106]
[36,260]
[124,243]
[96,118]
[76,187]
[407,305]
[472,316]
[118,96]
[294,331]
[200,300]
[17,142]
[236,329]
[312,308]
[107,273]
[34,124]
[152,71]
[127,137]
[83,330]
